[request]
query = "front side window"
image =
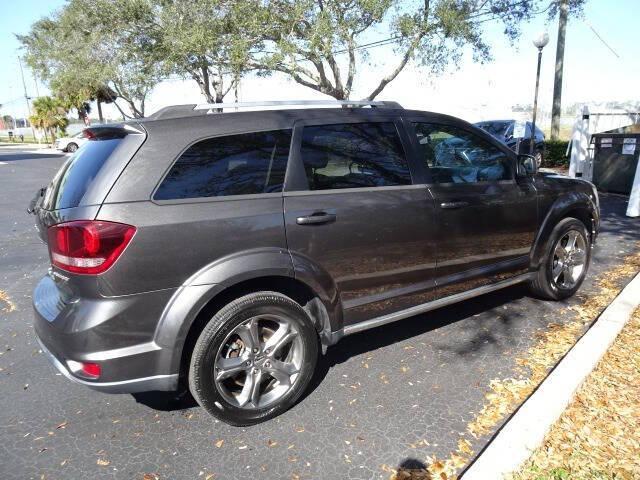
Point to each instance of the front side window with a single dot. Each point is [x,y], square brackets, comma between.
[454,155]
[353,155]
[245,164]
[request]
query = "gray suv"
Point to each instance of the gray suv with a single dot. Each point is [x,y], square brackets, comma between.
[223,251]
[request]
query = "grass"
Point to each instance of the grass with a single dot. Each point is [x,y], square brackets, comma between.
[27,139]
[598,435]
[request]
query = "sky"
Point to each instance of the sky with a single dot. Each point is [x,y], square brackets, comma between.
[593,73]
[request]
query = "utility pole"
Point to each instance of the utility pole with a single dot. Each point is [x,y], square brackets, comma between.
[35,80]
[556,109]
[26,96]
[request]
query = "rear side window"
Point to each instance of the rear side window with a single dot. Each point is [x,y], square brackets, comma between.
[74,178]
[353,155]
[244,164]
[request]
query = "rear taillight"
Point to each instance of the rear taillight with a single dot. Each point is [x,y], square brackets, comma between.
[85,369]
[87,246]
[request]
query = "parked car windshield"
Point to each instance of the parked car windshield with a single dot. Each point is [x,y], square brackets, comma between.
[72,181]
[497,129]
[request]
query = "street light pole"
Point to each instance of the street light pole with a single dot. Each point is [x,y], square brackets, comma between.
[540,42]
[26,97]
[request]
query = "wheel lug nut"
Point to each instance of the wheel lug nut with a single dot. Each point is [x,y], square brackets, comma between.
[267,364]
[255,350]
[248,362]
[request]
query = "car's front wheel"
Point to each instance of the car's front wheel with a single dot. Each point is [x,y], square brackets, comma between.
[254,359]
[539,156]
[565,262]
[72,147]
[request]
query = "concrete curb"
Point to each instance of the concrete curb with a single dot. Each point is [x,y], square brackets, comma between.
[526,430]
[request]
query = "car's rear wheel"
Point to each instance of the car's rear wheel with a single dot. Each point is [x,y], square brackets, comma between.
[254,359]
[539,156]
[565,262]
[72,147]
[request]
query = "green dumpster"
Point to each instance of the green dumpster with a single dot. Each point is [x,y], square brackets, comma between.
[615,161]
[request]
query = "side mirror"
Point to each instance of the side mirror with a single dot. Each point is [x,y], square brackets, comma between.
[526,165]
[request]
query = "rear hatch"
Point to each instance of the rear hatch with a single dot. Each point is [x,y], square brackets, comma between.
[84,180]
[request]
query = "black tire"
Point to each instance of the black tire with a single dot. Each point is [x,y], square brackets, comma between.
[72,147]
[202,365]
[543,285]
[539,156]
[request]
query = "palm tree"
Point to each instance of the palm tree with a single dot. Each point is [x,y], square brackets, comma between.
[49,115]
[104,94]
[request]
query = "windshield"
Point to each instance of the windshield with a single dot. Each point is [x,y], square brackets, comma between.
[497,129]
[74,178]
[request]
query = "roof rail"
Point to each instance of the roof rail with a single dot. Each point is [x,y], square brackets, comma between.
[213,107]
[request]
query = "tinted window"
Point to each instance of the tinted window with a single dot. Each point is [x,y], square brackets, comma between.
[76,175]
[456,156]
[233,165]
[353,155]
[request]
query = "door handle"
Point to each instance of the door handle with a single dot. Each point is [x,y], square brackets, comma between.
[316,218]
[452,205]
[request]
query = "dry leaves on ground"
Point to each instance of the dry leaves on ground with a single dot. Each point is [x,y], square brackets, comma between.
[597,436]
[507,394]
[6,305]
[550,347]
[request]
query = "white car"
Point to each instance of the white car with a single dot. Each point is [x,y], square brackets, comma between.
[71,144]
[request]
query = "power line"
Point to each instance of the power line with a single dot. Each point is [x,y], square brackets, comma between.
[600,38]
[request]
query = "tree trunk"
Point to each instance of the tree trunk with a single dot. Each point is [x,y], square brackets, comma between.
[99,104]
[556,110]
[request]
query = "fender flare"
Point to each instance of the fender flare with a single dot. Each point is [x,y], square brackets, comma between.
[569,202]
[322,284]
[196,292]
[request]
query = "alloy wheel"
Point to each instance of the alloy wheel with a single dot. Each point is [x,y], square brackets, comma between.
[569,259]
[259,361]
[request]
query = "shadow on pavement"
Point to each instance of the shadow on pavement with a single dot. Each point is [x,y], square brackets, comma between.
[415,326]
[13,157]
[166,401]
[411,464]
[614,219]
[377,338]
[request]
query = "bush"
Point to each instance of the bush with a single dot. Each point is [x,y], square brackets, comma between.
[554,153]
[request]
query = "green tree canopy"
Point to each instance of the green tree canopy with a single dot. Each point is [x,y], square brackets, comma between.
[125,47]
[94,46]
[318,43]
[205,40]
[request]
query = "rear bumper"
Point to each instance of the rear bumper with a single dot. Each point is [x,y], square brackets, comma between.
[115,332]
[133,385]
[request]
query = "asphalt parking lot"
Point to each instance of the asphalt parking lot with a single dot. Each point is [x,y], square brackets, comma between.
[391,396]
